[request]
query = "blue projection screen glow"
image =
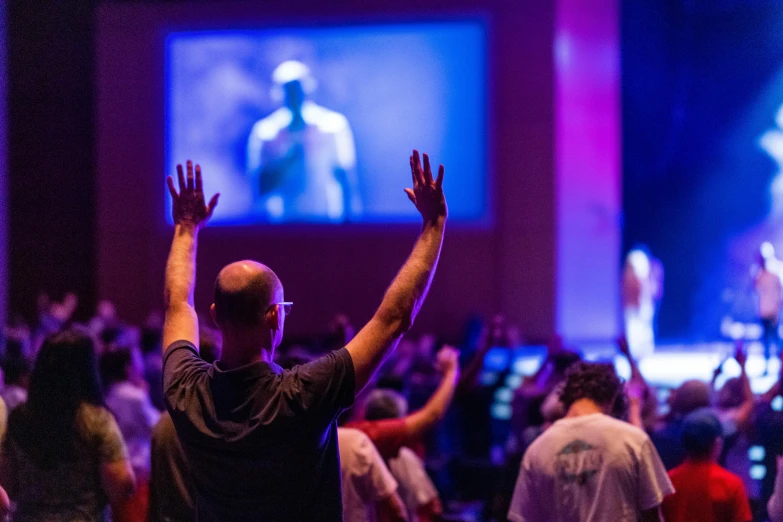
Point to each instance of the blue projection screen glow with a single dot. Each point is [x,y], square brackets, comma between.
[314,125]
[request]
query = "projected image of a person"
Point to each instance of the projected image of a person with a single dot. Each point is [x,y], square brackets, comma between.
[301,158]
[769,290]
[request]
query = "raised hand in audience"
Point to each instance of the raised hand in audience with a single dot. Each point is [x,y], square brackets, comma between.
[427,193]
[447,360]
[405,296]
[190,214]
[188,206]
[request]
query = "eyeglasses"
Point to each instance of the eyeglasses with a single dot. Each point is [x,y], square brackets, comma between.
[287,305]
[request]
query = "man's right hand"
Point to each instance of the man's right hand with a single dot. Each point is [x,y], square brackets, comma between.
[427,193]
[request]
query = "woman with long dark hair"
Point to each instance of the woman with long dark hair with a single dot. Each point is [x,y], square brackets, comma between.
[64,457]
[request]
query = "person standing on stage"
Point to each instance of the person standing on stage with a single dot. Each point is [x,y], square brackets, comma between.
[638,297]
[770,295]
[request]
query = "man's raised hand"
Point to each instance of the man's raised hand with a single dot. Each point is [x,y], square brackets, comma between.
[188,207]
[427,193]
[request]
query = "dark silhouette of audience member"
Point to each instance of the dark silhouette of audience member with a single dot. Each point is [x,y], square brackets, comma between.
[588,465]
[261,442]
[64,456]
[172,498]
[703,490]
[690,396]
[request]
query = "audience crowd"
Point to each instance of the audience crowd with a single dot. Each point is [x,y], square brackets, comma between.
[418,445]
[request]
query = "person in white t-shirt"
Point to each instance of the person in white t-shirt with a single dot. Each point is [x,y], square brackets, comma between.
[588,466]
[416,488]
[367,484]
[769,289]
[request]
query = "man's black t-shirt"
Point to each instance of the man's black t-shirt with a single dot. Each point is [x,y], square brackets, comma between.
[261,442]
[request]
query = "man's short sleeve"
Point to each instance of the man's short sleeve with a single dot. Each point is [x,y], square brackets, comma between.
[654,483]
[183,372]
[324,386]
[525,506]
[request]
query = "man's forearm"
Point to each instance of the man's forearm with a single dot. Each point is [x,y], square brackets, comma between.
[181,267]
[181,322]
[441,399]
[424,419]
[404,298]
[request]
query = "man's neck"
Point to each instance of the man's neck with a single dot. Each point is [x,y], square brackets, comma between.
[241,351]
[232,358]
[584,407]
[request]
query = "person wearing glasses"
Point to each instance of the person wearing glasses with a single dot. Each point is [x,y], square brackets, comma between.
[260,441]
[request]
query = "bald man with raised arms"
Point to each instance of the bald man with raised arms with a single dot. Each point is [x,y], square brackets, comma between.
[261,442]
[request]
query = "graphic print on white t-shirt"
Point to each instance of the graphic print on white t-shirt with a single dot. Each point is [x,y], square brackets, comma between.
[578,462]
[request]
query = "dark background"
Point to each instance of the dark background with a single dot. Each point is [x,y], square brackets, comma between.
[51,151]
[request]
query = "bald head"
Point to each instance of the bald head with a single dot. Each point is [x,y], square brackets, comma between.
[244,291]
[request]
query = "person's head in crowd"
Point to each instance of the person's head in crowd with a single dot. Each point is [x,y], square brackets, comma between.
[552,407]
[249,310]
[385,404]
[121,365]
[731,394]
[595,382]
[210,343]
[294,356]
[16,371]
[563,360]
[54,315]
[65,377]
[17,343]
[701,435]
[151,339]
[498,332]
[690,396]
[340,332]
[109,336]
[426,347]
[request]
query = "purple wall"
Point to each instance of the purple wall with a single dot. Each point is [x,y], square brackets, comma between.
[587,165]
[507,268]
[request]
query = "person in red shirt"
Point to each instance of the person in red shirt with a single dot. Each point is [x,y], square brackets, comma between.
[704,491]
[389,434]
